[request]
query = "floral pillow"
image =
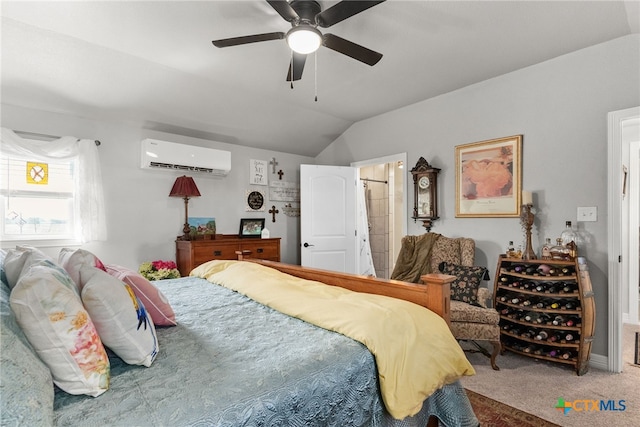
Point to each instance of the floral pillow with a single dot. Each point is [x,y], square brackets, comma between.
[465,287]
[72,260]
[120,317]
[154,301]
[59,328]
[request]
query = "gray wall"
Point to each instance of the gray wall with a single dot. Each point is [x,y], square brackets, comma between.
[560,107]
[142,220]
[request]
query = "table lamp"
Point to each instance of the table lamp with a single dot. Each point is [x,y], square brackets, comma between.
[185,187]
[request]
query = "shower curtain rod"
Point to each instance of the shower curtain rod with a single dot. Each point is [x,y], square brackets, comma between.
[372,180]
[43,135]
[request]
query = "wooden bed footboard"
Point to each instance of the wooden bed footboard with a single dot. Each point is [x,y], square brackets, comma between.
[434,294]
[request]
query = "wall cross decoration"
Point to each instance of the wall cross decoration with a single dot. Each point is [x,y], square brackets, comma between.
[280,173]
[273,211]
[273,164]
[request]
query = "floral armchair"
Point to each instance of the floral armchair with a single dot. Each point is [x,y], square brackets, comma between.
[471,318]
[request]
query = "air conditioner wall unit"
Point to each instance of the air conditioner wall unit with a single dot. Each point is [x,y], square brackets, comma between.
[156,154]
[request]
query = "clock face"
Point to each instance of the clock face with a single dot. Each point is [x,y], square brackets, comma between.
[424,182]
[255,200]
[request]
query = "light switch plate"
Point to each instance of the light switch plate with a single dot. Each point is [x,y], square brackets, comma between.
[587,213]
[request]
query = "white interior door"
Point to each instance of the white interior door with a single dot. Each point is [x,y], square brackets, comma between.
[328,217]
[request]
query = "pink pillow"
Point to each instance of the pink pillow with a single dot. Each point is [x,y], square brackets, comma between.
[154,301]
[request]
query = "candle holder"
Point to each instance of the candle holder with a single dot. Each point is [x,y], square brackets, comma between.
[526,219]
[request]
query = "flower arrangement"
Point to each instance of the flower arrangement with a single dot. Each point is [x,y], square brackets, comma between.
[158,270]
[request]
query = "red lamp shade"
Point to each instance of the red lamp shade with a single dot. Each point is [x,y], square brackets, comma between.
[184,186]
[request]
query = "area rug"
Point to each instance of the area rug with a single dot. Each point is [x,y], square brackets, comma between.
[492,413]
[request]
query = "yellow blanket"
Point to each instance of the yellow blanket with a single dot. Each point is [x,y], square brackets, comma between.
[414,350]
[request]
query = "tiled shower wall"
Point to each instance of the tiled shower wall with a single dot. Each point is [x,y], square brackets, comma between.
[377,198]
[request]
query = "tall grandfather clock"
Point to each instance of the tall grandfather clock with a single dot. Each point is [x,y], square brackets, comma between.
[425,195]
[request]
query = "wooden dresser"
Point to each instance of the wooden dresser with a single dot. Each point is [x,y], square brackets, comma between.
[192,253]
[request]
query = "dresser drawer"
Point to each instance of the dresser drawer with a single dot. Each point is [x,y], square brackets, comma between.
[265,251]
[206,253]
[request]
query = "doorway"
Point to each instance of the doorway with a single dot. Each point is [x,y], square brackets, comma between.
[623,227]
[385,187]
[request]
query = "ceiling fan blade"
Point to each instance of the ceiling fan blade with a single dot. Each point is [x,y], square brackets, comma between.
[343,10]
[351,49]
[284,9]
[297,67]
[235,41]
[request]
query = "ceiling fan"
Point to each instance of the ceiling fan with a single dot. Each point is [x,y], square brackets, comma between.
[304,37]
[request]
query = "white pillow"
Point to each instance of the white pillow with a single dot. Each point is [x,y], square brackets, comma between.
[20,259]
[72,260]
[120,317]
[59,328]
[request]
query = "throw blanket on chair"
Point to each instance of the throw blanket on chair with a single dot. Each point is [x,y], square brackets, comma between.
[414,257]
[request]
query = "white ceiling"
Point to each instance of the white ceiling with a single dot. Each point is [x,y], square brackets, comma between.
[152,62]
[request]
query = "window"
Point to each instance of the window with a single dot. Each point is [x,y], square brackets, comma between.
[50,190]
[38,199]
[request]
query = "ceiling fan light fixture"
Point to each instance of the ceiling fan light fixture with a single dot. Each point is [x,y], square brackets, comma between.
[304,39]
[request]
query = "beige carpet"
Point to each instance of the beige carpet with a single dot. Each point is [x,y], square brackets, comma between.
[535,387]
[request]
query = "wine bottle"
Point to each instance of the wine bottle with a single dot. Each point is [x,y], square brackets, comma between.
[558,320]
[542,335]
[569,304]
[530,270]
[540,287]
[569,288]
[566,355]
[542,303]
[518,299]
[543,318]
[554,305]
[566,271]
[568,337]
[518,268]
[557,337]
[506,311]
[529,333]
[553,353]
[572,321]
[552,288]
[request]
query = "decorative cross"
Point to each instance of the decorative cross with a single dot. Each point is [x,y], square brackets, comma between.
[280,173]
[273,163]
[273,211]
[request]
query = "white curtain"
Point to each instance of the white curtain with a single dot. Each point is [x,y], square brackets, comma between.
[366,260]
[89,183]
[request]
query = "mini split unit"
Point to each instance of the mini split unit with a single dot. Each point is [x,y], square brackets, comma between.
[171,156]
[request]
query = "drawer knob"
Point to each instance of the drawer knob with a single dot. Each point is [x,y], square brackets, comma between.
[259,250]
[217,253]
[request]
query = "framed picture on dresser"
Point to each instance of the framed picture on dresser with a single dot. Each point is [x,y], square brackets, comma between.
[251,227]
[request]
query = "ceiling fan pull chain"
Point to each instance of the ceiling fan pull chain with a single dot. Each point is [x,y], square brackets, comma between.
[315,63]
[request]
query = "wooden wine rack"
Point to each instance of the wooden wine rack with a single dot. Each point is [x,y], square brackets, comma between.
[584,312]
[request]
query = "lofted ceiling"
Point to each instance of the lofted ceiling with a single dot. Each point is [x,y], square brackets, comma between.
[151,63]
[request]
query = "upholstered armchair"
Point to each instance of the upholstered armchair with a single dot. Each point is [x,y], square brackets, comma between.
[471,318]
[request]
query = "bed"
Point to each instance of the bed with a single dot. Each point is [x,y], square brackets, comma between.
[231,361]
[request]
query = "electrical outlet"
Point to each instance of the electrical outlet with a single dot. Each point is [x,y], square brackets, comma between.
[587,214]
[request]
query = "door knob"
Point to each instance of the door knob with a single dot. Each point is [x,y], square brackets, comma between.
[306,245]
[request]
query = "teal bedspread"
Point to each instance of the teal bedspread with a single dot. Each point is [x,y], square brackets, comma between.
[233,362]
